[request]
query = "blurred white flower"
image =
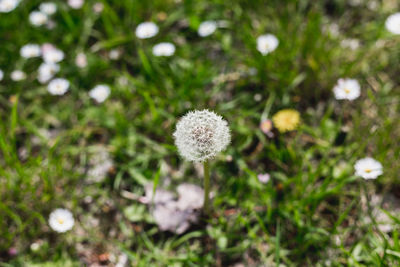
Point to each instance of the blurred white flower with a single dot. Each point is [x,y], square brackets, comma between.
[81,60]
[347,89]
[99,165]
[352,44]
[53,55]
[58,86]
[18,75]
[201,135]
[207,28]
[30,50]
[368,168]
[98,7]
[264,178]
[48,8]
[190,196]
[164,49]
[333,29]
[47,71]
[8,5]
[267,43]
[393,23]
[61,220]
[146,30]
[76,4]
[373,5]
[38,18]
[114,54]
[1,75]
[100,93]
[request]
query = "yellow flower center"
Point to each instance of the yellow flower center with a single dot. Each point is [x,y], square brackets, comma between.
[60,220]
[368,170]
[347,90]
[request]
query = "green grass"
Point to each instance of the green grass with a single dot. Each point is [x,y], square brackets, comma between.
[313,211]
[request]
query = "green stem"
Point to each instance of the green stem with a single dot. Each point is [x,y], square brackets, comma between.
[206,207]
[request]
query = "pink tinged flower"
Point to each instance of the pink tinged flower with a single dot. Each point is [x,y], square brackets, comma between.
[266,127]
[76,4]
[81,60]
[264,178]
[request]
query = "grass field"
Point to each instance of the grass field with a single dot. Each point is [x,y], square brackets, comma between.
[288,195]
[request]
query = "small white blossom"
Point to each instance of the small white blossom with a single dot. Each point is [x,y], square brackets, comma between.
[61,220]
[347,89]
[53,55]
[81,60]
[8,5]
[352,44]
[58,86]
[267,43]
[368,168]
[264,178]
[1,75]
[163,49]
[76,4]
[18,75]
[114,54]
[146,30]
[393,23]
[201,135]
[30,50]
[48,8]
[98,7]
[47,71]
[100,93]
[207,28]
[38,18]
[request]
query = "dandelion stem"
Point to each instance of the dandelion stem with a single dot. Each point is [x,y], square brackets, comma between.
[206,207]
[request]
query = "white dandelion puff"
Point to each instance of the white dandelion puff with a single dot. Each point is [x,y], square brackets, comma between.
[30,50]
[8,5]
[347,89]
[146,30]
[38,18]
[392,23]
[207,28]
[201,135]
[368,168]
[267,43]
[164,49]
[48,8]
[61,220]
[58,86]
[100,92]
[18,75]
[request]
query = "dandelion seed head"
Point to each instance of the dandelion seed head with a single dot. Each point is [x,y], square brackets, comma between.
[201,135]
[392,23]
[267,43]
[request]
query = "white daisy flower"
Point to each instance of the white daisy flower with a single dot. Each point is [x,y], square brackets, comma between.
[47,72]
[98,7]
[264,178]
[53,55]
[114,54]
[100,93]
[1,75]
[201,135]
[8,5]
[368,168]
[38,18]
[164,49]
[76,4]
[146,30]
[58,86]
[48,8]
[81,60]
[207,28]
[18,75]
[267,43]
[30,50]
[393,23]
[61,220]
[347,89]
